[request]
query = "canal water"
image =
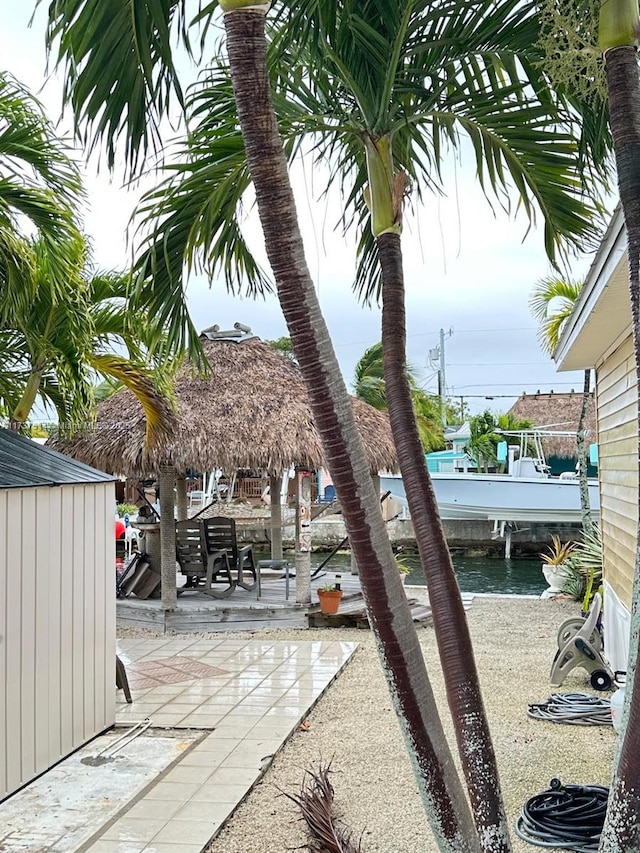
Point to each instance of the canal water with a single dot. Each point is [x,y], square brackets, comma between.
[475,574]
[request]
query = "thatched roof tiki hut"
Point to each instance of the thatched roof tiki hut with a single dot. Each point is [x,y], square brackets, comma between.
[561,412]
[252,411]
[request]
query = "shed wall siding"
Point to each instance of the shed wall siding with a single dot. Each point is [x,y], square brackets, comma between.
[618,467]
[57,625]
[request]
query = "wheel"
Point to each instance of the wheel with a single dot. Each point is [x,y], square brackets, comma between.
[567,630]
[570,628]
[600,680]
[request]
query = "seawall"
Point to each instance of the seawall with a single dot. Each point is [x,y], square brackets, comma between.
[474,538]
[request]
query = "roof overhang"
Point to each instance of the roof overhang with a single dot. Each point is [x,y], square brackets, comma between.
[602,315]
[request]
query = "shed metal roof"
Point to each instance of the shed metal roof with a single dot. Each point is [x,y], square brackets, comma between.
[24,462]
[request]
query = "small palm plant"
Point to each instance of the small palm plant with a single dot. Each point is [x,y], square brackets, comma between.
[586,563]
[558,553]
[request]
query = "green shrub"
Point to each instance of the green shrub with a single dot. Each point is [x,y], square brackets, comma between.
[127,509]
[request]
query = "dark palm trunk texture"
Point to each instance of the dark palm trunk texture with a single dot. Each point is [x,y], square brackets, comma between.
[390,618]
[452,632]
[622,827]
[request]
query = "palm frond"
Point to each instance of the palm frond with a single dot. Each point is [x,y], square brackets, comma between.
[40,192]
[551,303]
[314,800]
[159,413]
[117,63]
[461,70]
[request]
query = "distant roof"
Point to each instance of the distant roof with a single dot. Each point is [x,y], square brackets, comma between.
[460,432]
[559,411]
[24,462]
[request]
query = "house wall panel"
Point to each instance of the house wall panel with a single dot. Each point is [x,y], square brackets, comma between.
[51,609]
[11,642]
[618,376]
[57,623]
[622,427]
[616,397]
[4,598]
[622,403]
[27,571]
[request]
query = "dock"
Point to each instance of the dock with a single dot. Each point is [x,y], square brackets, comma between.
[244,611]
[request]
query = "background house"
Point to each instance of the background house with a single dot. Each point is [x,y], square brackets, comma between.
[57,612]
[560,412]
[598,335]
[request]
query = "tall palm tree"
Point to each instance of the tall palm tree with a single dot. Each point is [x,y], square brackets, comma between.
[551,303]
[401,81]
[57,343]
[572,35]
[441,790]
[378,125]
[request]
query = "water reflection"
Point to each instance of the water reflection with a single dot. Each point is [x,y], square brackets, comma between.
[486,574]
[475,574]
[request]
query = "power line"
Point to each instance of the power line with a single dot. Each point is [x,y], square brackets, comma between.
[519,385]
[436,334]
[497,363]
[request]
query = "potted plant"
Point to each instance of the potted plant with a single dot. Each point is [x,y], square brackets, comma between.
[329,597]
[403,567]
[554,565]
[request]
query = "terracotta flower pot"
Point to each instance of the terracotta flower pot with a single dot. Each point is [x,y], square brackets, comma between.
[329,600]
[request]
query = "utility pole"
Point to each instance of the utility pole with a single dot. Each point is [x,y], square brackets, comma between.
[437,363]
[442,383]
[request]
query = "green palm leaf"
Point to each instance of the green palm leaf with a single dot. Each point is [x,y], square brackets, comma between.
[551,303]
[39,193]
[118,68]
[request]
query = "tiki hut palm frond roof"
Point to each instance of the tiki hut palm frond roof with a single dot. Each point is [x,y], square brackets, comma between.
[557,412]
[252,411]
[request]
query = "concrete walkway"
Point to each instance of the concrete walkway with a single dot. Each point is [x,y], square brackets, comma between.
[241,698]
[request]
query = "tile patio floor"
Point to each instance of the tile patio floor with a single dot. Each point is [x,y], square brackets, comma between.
[247,695]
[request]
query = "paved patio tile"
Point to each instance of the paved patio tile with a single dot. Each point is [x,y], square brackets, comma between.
[250,694]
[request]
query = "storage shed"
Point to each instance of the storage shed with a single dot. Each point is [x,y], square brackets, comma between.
[57,607]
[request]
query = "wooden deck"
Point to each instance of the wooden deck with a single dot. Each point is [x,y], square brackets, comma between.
[243,611]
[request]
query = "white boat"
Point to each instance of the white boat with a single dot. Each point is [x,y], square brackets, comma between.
[525,493]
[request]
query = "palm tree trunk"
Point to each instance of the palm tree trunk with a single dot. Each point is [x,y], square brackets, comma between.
[275,492]
[585,505]
[182,500]
[169,591]
[302,559]
[391,622]
[451,629]
[25,404]
[622,828]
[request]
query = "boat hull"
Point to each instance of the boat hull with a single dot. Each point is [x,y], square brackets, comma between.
[499,497]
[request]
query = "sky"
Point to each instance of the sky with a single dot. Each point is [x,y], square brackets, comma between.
[468,269]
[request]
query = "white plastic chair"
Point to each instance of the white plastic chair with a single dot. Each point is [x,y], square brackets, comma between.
[131,534]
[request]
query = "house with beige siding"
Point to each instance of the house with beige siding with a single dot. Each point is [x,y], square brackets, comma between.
[598,336]
[57,608]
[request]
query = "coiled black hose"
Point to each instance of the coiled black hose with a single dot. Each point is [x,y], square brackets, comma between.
[569,817]
[577,709]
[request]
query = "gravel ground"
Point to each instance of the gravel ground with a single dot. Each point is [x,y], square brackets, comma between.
[354,726]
